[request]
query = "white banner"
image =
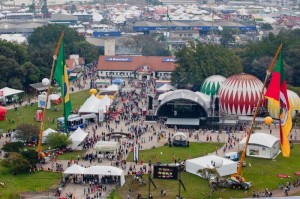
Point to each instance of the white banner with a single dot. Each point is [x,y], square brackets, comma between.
[101,115]
[42,102]
[136,153]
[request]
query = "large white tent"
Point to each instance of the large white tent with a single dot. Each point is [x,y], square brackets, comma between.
[97,170]
[91,105]
[9,91]
[261,145]
[46,133]
[165,88]
[77,138]
[113,87]
[106,146]
[75,169]
[228,167]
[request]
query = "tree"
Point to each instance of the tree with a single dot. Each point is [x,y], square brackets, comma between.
[27,132]
[13,147]
[197,62]
[16,163]
[213,176]
[58,140]
[31,156]
[227,37]
[266,26]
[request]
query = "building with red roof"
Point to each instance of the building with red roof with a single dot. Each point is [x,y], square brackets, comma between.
[136,66]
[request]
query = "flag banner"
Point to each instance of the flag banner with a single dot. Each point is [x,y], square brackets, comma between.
[277,94]
[168,16]
[61,76]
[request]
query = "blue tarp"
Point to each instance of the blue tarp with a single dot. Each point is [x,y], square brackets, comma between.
[117,81]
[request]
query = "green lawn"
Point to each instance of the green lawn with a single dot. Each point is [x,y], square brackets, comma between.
[26,114]
[39,181]
[262,173]
[195,150]
[69,155]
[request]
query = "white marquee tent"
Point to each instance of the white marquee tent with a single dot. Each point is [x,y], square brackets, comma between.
[113,87]
[75,169]
[106,146]
[77,138]
[91,105]
[9,91]
[261,145]
[97,170]
[165,88]
[228,167]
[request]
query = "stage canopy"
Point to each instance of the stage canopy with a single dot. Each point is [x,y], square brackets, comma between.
[106,146]
[77,138]
[96,170]
[228,167]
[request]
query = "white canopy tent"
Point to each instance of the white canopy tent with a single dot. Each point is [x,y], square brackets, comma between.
[165,88]
[228,167]
[261,145]
[54,96]
[91,105]
[97,170]
[106,170]
[113,87]
[46,133]
[106,146]
[77,138]
[75,169]
[9,91]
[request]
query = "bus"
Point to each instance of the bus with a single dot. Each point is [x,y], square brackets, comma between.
[74,121]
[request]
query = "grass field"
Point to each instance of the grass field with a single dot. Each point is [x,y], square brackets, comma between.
[26,114]
[69,155]
[262,173]
[38,181]
[195,150]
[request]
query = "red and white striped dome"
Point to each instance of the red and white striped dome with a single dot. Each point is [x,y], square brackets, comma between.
[239,94]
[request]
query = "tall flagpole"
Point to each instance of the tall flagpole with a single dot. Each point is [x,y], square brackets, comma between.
[270,68]
[39,148]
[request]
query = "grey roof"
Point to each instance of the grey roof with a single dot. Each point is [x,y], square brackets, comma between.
[39,86]
[62,17]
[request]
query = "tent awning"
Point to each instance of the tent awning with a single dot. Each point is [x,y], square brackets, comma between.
[4,92]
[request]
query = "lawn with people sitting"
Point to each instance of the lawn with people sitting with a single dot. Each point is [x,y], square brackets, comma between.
[261,172]
[26,114]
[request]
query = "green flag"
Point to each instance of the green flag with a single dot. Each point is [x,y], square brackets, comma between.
[61,76]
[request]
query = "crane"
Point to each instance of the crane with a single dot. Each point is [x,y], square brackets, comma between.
[39,149]
[237,178]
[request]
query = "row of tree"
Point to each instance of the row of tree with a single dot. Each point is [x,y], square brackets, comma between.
[21,64]
[19,158]
[198,61]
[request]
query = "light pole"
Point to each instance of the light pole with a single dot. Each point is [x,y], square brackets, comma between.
[161,157]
